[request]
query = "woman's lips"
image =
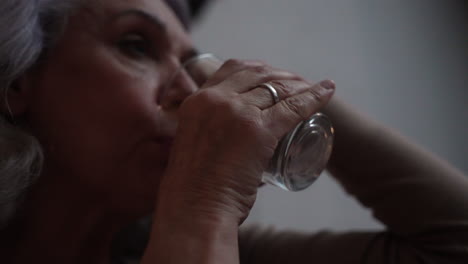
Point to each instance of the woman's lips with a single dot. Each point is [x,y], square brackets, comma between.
[165,143]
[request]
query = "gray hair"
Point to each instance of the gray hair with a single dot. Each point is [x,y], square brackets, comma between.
[27,29]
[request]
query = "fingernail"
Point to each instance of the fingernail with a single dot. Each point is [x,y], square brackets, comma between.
[328,84]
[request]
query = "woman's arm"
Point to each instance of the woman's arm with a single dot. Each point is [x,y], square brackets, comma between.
[421,199]
[227,133]
[409,189]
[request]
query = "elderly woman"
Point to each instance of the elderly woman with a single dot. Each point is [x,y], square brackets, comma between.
[93,138]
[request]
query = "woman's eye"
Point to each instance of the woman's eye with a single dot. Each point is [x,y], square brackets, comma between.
[135,45]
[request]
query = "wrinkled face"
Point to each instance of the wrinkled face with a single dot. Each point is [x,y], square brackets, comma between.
[100,103]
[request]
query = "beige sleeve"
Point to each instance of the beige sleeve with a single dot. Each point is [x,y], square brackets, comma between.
[422,201]
[427,222]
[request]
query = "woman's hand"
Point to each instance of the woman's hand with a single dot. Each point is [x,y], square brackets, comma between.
[228,132]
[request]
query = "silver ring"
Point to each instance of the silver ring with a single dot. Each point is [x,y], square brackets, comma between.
[272,90]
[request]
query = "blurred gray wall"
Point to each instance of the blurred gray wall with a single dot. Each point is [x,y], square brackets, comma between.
[404,63]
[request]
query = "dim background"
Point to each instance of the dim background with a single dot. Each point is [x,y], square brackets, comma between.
[404,63]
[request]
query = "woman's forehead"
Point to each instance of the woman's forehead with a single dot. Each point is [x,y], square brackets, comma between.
[158,8]
[181,10]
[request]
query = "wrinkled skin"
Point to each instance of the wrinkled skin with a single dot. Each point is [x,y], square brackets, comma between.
[119,141]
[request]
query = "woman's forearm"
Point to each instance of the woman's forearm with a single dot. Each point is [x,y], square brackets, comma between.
[408,188]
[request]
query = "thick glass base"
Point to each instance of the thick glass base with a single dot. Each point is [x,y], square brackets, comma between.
[301,155]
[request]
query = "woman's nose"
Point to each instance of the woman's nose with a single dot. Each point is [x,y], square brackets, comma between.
[187,78]
[179,87]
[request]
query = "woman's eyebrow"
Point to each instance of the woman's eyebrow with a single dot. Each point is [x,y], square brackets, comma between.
[191,52]
[141,14]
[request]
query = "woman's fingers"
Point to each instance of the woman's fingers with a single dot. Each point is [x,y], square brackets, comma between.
[280,118]
[241,81]
[228,68]
[241,76]
[263,98]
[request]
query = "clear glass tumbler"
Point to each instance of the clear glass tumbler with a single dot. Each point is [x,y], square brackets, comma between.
[300,156]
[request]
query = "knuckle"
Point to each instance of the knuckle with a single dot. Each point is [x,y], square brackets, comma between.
[257,62]
[249,125]
[203,99]
[234,62]
[258,133]
[315,96]
[228,107]
[207,97]
[241,117]
[283,89]
[296,106]
[189,104]
[213,104]
[261,70]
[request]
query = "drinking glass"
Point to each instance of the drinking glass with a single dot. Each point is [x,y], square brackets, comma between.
[300,156]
